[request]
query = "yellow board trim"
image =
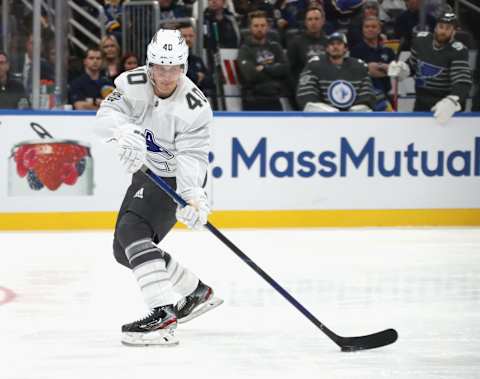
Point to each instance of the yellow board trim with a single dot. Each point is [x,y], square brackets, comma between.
[257,219]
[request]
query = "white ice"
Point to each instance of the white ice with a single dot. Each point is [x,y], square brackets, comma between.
[72,298]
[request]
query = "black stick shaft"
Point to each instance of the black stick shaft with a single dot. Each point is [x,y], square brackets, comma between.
[179,200]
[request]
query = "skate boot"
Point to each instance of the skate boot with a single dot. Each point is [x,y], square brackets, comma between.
[200,301]
[155,329]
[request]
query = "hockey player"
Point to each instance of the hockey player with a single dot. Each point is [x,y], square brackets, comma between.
[440,66]
[334,82]
[161,119]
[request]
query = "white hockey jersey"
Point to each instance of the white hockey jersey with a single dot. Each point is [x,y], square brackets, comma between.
[177,129]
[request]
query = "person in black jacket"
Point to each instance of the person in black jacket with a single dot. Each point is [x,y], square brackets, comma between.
[335,82]
[308,44]
[12,92]
[263,68]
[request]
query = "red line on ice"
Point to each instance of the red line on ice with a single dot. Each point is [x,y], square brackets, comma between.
[6,295]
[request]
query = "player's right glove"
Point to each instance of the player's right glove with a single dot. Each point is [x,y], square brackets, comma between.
[398,70]
[195,214]
[445,108]
[132,148]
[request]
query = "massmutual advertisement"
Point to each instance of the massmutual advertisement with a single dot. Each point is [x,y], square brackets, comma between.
[290,163]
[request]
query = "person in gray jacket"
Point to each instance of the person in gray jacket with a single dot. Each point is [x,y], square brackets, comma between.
[263,68]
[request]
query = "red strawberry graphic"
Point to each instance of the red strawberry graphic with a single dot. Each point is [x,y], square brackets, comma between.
[55,163]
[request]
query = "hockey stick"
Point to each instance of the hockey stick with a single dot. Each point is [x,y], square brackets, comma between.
[395,94]
[346,344]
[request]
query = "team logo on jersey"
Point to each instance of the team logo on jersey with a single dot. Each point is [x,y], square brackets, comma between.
[265,57]
[428,70]
[341,93]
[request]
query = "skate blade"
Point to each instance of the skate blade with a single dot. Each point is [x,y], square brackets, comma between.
[157,338]
[210,304]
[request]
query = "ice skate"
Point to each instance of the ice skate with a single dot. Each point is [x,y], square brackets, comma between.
[155,329]
[200,301]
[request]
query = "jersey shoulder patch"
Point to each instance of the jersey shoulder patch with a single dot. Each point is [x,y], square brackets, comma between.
[457,45]
[134,85]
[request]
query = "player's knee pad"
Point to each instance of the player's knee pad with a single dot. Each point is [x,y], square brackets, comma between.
[131,228]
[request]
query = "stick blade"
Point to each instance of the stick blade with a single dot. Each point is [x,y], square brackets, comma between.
[371,341]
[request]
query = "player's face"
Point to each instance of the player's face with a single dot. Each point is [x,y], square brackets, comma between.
[314,21]
[165,78]
[336,49]
[444,32]
[259,28]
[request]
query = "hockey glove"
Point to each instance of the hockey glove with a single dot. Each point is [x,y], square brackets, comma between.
[445,108]
[398,70]
[131,147]
[195,214]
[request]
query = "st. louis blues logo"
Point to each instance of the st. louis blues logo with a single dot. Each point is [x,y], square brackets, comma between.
[341,94]
[427,70]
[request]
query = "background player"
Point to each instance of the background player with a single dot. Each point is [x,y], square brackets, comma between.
[440,66]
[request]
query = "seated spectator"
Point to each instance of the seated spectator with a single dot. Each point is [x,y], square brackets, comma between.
[244,7]
[12,92]
[88,90]
[222,28]
[355,35]
[129,62]
[377,56]
[406,24]
[26,67]
[311,43]
[263,68]
[197,71]
[169,10]
[335,82]
[288,13]
[113,12]
[111,56]
[341,12]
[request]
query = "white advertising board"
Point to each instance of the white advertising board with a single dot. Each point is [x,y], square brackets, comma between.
[290,161]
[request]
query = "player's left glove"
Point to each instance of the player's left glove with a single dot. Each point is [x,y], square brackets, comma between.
[195,214]
[445,108]
[132,148]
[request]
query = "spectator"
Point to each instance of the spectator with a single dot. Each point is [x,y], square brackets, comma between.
[129,62]
[355,34]
[406,24]
[87,91]
[263,68]
[169,10]
[311,43]
[244,7]
[377,56]
[111,56]
[197,71]
[26,66]
[12,92]
[113,12]
[222,28]
[335,82]
[442,73]
[288,13]
[341,12]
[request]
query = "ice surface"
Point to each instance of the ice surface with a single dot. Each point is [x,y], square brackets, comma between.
[72,298]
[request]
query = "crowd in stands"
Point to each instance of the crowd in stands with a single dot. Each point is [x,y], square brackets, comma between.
[275,40]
